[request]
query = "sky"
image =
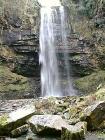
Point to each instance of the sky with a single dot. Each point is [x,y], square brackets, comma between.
[49,3]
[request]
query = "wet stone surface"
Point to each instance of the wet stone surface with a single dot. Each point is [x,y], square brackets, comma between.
[68,107]
[6,106]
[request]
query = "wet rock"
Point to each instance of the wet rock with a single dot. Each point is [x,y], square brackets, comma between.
[47,124]
[11,121]
[27,65]
[26,60]
[19,131]
[76,132]
[94,115]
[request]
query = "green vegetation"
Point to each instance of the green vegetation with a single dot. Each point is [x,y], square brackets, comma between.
[91,83]
[12,82]
[90,7]
[100,134]
[3,120]
[100,94]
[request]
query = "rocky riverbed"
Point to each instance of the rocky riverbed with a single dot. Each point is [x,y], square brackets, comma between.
[30,118]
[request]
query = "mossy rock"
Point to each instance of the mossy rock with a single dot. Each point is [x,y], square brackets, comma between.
[12,82]
[100,94]
[3,120]
[3,124]
[20,131]
[94,115]
[15,119]
[91,83]
[74,132]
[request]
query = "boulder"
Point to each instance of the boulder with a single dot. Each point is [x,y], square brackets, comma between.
[9,122]
[76,132]
[47,124]
[19,131]
[94,115]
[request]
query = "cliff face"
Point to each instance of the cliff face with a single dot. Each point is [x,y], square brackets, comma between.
[87,19]
[19,33]
[19,36]
[19,23]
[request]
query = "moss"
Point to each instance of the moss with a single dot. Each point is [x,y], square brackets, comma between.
[73,111]
[7,124]
[100,94]
[77,57]
[3,120]
[91,83]
[12,82]
[100,134]
[3,124]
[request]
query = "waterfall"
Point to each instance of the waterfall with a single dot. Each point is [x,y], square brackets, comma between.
[69,90]
[52,29]
[48,59]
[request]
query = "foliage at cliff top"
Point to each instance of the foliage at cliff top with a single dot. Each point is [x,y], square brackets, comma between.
[89,8]
[20,12]
[93,7]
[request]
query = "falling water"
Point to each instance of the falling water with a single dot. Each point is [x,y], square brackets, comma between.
[49,71]
[53,26]
[69,90]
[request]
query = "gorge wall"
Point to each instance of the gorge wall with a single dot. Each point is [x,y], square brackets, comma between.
[19,43]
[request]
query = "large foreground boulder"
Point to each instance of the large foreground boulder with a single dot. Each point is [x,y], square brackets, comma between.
[47,124]
[9,122]
[94,115]
[54,125]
